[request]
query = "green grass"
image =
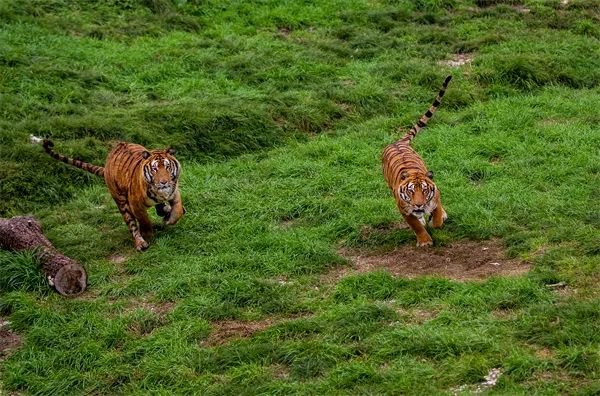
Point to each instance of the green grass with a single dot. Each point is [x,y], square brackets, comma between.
[279,111]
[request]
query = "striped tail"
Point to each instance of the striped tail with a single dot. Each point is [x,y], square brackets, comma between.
[425,117]
[96,170]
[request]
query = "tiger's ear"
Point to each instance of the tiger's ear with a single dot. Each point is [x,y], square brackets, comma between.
[171,151]
[403,175]
[430,175]
[146,154]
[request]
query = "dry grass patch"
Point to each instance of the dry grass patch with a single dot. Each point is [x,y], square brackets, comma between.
[280,371]
[458,60]
[521,8]
[504,314]
[160,309]
[118,258]
[224,331]
[9,341]
[421,316]
[544,354]
[418,316]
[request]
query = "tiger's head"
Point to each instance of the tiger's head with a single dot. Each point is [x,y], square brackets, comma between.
[161,172]
[416,193]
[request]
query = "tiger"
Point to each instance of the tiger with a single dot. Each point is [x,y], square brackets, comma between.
[137,179]
[412,185]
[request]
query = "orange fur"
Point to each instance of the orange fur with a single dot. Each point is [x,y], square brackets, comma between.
[411,183]
[138,179]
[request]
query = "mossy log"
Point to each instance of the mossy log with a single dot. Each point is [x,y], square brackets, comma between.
[66,275]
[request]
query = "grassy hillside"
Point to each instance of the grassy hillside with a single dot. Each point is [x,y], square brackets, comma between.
[279,112]
[218,79]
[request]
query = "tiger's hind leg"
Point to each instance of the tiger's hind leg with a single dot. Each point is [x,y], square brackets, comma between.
[139,242]
[141,214]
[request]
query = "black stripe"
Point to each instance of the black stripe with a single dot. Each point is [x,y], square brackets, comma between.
[428,114]
[147,173]
[175,169]
[421,124]
[151,196]
[436,102]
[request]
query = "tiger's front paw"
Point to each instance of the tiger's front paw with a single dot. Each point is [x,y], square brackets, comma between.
[424,241]
[171,220]
[435,224]
[173,217]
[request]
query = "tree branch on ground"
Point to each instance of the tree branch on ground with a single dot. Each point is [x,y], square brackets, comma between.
[66,275]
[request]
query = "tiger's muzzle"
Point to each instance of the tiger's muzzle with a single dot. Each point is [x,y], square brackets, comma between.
[164,192]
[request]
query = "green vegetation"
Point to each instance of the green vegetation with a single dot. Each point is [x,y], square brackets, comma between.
[279,112]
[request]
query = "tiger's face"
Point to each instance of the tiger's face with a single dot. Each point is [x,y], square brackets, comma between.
[161,172]
[416,194]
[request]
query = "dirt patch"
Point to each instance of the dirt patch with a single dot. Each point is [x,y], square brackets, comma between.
[461,260]
[144,325]
[118,258]
[544,354]
[280,122]
[424,316]
[411,315]
[521,8]
[161,309]
[223,331]
[504,314]
[287,224]
[346,107]
[551,121]
[544,377]
[9,341]
[285,32]
[458,60]
[280,371]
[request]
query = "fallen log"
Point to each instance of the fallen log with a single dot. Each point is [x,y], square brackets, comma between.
[66,275]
